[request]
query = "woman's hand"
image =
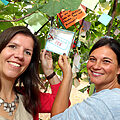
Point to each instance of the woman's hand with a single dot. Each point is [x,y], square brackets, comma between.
[46,62]
[65,66]
[47,66]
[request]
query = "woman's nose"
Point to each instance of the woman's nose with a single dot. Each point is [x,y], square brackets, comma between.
[97,65]
[19,54]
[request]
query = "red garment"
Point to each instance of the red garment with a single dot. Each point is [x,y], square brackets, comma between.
[46,100]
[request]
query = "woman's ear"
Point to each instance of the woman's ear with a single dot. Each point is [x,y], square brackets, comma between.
[118,70]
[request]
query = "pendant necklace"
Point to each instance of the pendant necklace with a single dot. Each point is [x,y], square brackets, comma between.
[9,107]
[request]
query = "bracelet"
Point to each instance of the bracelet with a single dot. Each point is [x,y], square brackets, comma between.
[50,76]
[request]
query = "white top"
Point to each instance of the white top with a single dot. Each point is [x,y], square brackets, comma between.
[103,105]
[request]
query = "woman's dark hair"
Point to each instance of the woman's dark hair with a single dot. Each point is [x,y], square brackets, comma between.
[111,43]
[30,78]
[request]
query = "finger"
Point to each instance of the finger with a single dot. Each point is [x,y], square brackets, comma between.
[42,54]
[65,58]
[60,60]
[48,55]
[64,53]
[42,50]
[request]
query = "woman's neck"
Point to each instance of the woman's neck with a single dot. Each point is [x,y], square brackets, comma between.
[7,93]
[108,86]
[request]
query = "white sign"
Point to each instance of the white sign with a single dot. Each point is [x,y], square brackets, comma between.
[59,41]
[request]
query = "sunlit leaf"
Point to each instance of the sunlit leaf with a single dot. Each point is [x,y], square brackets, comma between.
[55,6]
[118,9]
[4,25]
[102,1]
[92,88]
[84,89]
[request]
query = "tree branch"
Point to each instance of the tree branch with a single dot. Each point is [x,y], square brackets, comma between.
[113,16]
[17,19]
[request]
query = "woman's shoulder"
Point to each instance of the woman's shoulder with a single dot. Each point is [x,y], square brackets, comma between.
[109,97]
[106,92]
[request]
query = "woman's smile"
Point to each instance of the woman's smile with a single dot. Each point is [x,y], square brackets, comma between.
[96,74]
[14,64]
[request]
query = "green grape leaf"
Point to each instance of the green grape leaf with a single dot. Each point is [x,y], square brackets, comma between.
[55,6]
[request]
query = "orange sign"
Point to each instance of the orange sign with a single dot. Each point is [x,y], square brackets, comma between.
[69,18]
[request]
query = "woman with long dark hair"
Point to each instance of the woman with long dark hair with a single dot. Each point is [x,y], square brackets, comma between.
[20,96]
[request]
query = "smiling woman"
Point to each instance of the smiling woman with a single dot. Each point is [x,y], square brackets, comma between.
[20,96]
[16,56]
[104,70]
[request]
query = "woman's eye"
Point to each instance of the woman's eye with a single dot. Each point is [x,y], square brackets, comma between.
[28,53]
[12,46]
[92,59]
[107,61]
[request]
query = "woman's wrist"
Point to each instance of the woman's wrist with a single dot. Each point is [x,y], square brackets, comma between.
[47,72]
[50,76]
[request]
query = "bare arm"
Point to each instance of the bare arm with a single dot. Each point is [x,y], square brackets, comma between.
[62,98]
[47,66]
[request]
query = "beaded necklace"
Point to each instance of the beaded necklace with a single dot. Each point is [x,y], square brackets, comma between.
[9,107]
